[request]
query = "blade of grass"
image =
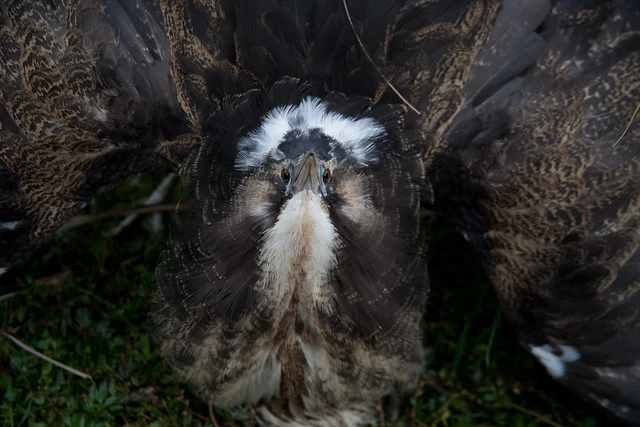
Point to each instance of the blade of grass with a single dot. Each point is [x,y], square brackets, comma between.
[36,353]
[633,116]
[462,344]
[494,327]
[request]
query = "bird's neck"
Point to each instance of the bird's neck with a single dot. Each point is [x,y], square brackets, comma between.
[298,255]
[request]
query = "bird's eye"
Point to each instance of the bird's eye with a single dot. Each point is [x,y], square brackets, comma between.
[284,174]
[326,176]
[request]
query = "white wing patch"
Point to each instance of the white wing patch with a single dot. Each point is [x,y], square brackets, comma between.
[555,364]
[355,136]
[9,225]
[2,270]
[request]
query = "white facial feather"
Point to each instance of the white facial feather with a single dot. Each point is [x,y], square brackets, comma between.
[355,136]
[555,364]
[261,210]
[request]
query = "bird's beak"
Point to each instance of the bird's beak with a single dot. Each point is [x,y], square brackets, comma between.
[307,174]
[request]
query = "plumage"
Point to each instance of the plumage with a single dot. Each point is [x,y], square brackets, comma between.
[301,295]
[555,203]
[244,338]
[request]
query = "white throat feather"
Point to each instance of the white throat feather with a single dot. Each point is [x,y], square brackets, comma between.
[299,250]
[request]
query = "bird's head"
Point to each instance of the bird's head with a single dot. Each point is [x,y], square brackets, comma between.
[305,151]
[315,193]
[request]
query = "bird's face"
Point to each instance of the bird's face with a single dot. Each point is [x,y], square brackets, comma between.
[306,153]
[307,173]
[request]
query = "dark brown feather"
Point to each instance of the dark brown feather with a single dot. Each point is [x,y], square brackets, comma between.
[553,204]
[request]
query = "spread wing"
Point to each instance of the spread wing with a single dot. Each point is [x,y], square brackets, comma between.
[87,100]
[532,170]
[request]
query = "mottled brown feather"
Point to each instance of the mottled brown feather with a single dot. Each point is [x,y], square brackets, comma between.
[554,206]
[84,108]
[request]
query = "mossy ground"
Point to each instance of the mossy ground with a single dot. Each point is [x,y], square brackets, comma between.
[84,300]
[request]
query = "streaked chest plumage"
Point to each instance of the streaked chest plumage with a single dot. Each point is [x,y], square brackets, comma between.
[295,362]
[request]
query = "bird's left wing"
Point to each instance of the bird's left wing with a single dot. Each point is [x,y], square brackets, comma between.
[531,168]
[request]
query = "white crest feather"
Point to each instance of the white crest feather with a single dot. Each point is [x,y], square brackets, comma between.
[355,136]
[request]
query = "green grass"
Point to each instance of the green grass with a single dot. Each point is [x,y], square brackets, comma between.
[84,301]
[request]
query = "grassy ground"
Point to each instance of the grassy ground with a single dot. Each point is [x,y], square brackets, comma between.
[84,300]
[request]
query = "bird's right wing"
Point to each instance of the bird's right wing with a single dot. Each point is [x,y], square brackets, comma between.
[91,93]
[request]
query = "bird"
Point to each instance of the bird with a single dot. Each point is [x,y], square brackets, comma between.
[309,135]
